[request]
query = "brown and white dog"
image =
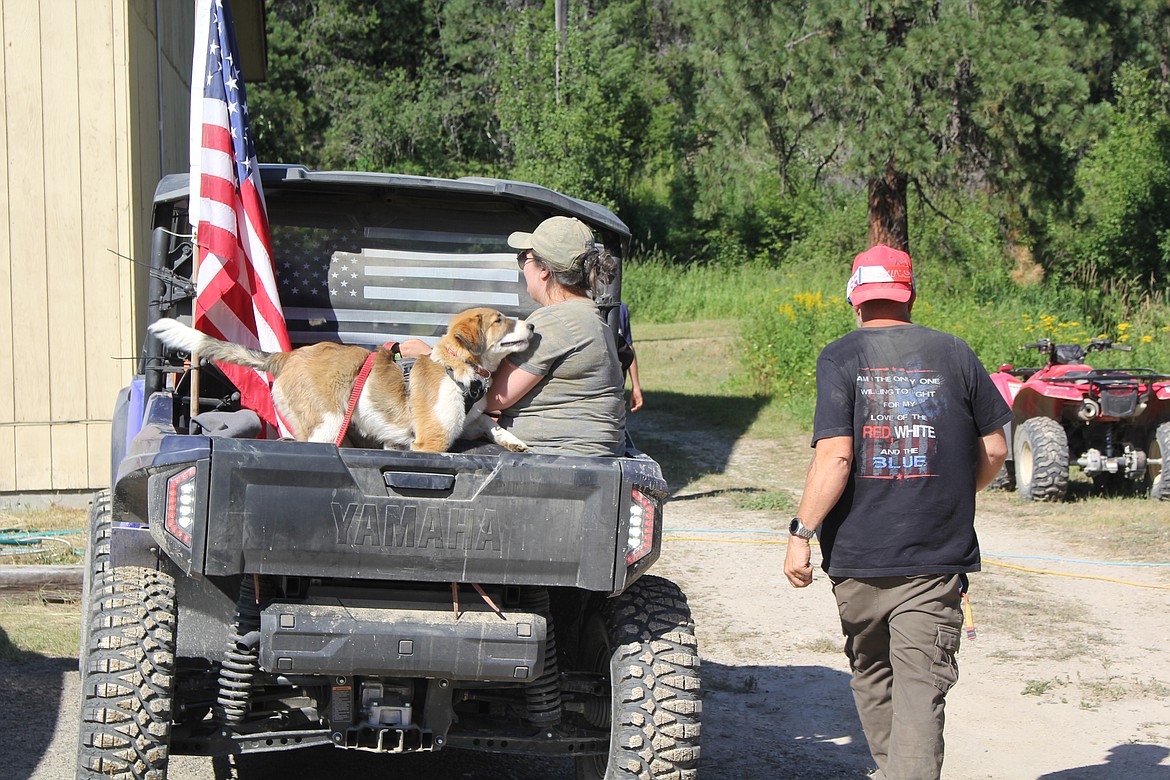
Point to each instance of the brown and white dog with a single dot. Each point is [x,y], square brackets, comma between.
[445,400]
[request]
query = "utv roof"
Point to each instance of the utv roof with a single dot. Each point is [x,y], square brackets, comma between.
[175,187]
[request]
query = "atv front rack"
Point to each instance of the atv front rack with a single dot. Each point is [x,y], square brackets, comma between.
[1107,376]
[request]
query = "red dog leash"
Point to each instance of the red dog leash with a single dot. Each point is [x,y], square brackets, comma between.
[358,384]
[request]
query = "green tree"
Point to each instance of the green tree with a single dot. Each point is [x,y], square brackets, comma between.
[612,118]
[402,85]
[1121,227]
[898,94]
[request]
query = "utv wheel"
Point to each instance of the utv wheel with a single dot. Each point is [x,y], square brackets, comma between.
[1006,478]
[96,566]
[1158,473]
[644,642]
[1041,458]
[127,685]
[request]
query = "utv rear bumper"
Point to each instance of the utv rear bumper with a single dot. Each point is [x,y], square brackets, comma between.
[338,639]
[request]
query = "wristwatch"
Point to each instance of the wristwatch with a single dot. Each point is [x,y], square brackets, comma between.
[796,528]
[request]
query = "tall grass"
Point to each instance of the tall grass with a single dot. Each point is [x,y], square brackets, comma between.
[787,313]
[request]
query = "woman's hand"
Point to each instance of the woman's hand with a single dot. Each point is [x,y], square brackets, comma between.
[636,398]
[414,348]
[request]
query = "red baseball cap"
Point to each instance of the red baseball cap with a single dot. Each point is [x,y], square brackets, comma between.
[881,273]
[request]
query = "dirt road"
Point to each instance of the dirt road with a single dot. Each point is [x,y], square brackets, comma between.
[1069,676]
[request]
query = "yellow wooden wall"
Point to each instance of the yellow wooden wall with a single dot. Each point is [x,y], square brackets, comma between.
[80,154]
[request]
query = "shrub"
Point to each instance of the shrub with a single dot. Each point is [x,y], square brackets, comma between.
[781,343]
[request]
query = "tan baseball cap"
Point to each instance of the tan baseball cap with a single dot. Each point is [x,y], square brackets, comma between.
[559,241]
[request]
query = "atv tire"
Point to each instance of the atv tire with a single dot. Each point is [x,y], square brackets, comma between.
[643,641]
[1041,458]
[96,567]
[1006,478]
[127,685]
[1159,473]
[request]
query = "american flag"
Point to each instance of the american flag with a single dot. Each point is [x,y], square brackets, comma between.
[368,285]
[236,293]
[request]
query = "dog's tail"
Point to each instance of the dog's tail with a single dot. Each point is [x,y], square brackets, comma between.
[176,335]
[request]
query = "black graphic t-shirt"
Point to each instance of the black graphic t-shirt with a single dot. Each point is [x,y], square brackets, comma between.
[916,402]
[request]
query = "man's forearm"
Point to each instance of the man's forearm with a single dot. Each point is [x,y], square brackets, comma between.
[828,474]
[992,454]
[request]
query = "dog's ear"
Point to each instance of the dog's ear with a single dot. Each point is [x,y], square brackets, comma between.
[470,333]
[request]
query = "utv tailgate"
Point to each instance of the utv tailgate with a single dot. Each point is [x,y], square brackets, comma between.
[313,510]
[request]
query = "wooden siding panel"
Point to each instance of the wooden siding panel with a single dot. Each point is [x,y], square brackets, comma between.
[7,367]
[26,176]
[102,210]
[70,457]
[34,457]
[7,459]
[66,291]
[80,156]
[98,447]
[146,146]
[129,184]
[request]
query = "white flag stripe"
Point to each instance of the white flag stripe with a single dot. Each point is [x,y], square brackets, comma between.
[195,136]
[218,164]
[210,266]
[268,339]
[431,257]
[219,214]
[227,322]
[262,264]
[215,112]
[435,236]
[361,315]
[363,338]
[473,274]
[441,296]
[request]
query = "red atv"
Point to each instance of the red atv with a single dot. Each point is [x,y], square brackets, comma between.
[1112,422]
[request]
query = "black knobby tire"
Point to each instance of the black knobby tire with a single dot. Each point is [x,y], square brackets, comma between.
[1159,474]
[644,640]
[127,687]
[1006,478]
[96,566]
[1041,458]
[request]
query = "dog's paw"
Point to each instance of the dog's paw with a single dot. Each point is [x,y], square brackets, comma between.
[509,440]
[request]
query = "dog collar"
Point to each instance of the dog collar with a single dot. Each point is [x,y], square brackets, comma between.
[479,370]
[476,391]
[473,391]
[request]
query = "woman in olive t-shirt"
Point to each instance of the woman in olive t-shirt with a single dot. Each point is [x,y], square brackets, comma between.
[564,394]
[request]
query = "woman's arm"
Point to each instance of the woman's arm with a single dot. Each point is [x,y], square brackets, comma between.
[509,385]
[414,348]
[636,389]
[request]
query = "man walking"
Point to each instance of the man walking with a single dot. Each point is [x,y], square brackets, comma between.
[908,427]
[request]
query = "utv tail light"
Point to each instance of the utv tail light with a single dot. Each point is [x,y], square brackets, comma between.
[640,542]
[180,510]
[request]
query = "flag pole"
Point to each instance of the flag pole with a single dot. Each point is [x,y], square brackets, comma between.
[195,160]
[194,369]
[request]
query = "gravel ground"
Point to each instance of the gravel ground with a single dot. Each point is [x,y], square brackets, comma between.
[1069,676]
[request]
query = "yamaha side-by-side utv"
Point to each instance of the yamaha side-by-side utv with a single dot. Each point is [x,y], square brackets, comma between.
[245,595]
